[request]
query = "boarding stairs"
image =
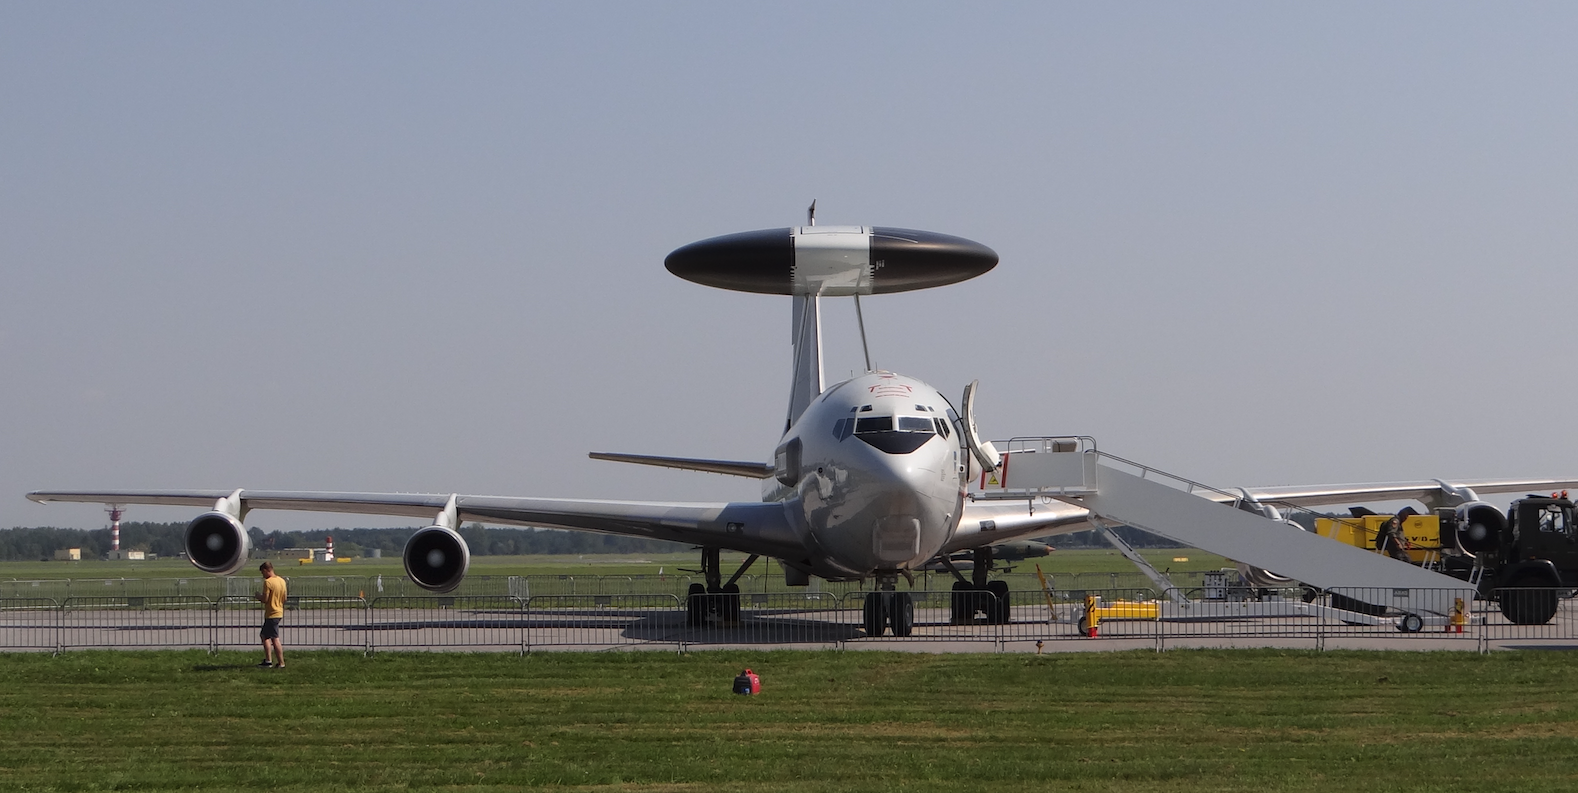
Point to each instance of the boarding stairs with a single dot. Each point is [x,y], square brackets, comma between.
[1120,491]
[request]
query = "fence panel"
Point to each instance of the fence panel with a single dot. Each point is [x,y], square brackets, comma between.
[1525,616]
[446,622]
[1040,615]
[762,618]
[123,622]
[319,623]
[935,617]
[29,623]
[603,621]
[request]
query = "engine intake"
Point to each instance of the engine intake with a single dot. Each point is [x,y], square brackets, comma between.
[1479,526]
[436,558]
[217,543]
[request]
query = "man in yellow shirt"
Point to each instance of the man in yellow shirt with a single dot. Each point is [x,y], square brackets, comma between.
[273,599]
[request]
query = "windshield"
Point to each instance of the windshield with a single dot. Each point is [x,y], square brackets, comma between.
[895,434]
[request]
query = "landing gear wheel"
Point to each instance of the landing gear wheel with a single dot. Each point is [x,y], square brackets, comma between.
[961,604]
[1410,623]
[997,605]
[902,613]
[1528,606]
[875,614]
[696,606]
[729,604]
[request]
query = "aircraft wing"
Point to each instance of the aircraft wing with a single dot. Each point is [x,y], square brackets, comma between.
[751,527]
[725,467]
[1426,492]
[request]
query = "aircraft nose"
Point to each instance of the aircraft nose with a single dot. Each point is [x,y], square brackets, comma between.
[898,521]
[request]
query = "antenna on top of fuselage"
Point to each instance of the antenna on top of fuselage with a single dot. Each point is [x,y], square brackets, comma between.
[810,214]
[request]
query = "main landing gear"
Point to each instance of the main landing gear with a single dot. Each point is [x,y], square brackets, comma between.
[889,608]
[715,602]
[978,598]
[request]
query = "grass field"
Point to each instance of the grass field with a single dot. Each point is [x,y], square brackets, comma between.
[1177,722]
[1062,561]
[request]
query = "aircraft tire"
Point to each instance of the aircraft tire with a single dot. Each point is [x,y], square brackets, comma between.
[729,604]
[696,606]
[1411,623]
[997,604]
[960,604]
[902,613]
[875,616]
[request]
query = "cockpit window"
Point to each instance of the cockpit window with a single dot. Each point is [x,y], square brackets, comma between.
[843,428]
[911,433]
[874,424]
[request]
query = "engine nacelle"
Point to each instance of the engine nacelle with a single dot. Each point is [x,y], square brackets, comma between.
[1261,578]
[436,558]
[217,543]
[1479,526]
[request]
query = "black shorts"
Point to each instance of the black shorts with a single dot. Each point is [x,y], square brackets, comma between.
[270,628]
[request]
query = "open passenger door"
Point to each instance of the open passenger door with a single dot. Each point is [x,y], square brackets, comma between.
[983,451]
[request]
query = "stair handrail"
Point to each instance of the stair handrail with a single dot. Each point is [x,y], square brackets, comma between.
[1227,496]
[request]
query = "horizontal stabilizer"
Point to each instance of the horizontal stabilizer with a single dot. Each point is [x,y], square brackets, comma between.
[725,467]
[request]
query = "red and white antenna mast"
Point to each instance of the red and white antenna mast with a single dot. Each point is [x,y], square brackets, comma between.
[115,526]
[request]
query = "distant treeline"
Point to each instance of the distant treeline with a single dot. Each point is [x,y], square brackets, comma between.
[165,539]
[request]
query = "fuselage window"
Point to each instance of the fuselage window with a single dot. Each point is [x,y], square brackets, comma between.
[911,433]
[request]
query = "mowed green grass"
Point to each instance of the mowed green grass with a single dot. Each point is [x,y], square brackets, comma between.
[1081,560]
[1177,721]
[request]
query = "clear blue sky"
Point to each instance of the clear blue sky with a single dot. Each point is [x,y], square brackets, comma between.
[418,247]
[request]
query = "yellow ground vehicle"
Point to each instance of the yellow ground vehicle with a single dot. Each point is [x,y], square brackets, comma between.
[1422,531]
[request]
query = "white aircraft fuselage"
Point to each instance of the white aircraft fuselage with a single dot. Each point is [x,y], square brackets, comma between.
[872,474]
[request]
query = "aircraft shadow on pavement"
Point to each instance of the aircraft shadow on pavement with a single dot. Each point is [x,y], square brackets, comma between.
[644,626]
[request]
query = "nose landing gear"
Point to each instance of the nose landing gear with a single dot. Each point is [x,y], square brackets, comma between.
[888,607]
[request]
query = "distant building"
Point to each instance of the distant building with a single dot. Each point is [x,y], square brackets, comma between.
[126,556]
[68,555]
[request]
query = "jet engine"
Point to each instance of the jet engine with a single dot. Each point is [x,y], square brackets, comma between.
[1261,578]
[1479,526]
[436,558]
[217,543]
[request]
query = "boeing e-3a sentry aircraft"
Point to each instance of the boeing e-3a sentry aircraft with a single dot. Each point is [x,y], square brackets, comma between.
[869,481]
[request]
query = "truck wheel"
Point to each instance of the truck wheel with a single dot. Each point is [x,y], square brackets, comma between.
[1411,623]
[1531,600]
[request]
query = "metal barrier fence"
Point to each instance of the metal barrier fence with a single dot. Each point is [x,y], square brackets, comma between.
[369,587]
[1064,618]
